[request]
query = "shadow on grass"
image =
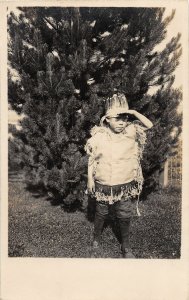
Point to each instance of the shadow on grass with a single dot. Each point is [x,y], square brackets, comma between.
[37,191]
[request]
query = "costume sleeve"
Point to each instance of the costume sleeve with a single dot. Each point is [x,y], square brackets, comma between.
[140,137]
[91,148]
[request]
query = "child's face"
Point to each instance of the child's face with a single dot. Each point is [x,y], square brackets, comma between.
[117,124]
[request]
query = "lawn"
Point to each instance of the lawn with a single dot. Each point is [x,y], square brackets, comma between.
[39,229]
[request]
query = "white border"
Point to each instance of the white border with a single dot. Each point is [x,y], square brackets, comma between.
[88,279]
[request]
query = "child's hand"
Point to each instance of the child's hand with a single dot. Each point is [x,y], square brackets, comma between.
[91,185]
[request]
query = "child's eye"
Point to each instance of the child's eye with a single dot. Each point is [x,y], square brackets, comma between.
[122,119]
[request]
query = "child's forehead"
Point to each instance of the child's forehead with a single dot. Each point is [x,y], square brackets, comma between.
[121,116]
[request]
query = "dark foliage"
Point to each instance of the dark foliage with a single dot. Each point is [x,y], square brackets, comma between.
[69,60]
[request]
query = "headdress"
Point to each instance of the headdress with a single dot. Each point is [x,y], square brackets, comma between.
[114,106]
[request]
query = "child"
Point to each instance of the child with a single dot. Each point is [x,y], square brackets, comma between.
[114,170]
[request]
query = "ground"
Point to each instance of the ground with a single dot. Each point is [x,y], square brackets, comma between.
[39,229]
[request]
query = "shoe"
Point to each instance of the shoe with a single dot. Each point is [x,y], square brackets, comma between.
[95,249]
[95,244]
[127,253]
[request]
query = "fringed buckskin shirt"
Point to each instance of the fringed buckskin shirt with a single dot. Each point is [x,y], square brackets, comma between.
[116,160]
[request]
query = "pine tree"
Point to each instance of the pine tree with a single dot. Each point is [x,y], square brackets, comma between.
[69,61]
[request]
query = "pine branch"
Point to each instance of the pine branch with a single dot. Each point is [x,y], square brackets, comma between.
[15,18]
[169,18]
[51,24]
[58,143]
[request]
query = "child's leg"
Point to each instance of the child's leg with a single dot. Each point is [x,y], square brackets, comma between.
[124,213]
[124,225]
[101,213]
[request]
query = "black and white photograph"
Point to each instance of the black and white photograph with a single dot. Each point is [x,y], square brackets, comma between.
[95,142]
[95,133]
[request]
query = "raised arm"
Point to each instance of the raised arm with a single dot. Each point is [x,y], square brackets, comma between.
[145,121]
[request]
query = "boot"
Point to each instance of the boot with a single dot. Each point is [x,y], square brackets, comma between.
[125,243]
[127,253]
[98,226]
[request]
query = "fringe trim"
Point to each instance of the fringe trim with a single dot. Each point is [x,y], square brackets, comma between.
[137,207]
[141,139]
[112,194]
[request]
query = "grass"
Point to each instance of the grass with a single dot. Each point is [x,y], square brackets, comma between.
[39,229]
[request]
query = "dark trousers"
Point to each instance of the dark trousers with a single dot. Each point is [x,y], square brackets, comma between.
[123,212]
[123,209]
